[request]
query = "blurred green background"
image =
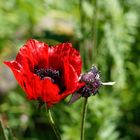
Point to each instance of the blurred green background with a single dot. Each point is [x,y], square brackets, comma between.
[107,33]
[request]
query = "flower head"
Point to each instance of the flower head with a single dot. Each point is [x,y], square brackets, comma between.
[92,84]
[47,73]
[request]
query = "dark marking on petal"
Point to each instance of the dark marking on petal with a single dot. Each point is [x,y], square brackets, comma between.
[24,85]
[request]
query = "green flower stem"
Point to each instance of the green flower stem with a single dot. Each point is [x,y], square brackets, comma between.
[51,121]
[81,17]
[83,117]
[3,131]
[95,30]
[11,135]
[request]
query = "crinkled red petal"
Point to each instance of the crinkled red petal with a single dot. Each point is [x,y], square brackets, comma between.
[33,53]
[70,80]
[65,51]
[34,87]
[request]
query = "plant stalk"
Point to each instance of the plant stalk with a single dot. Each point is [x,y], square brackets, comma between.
[52,123]
[3,131]
[84,118]
[95,31]
[81,17]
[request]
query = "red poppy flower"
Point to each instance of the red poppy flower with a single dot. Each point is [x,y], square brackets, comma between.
[47,73]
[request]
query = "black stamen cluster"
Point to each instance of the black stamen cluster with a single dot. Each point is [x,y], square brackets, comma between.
[44,73]
[54,75]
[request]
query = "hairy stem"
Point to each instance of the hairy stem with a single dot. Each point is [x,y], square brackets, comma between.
[83,118]
[3,131]
[81,17]
[95,30]
[51,121]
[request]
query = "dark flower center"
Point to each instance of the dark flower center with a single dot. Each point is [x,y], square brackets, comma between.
[48,73]
[54,75]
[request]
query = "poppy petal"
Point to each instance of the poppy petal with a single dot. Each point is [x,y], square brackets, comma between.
[65,50]
[33,53]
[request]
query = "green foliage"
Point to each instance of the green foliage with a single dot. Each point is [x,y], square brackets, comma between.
[107,34]
[18,18]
